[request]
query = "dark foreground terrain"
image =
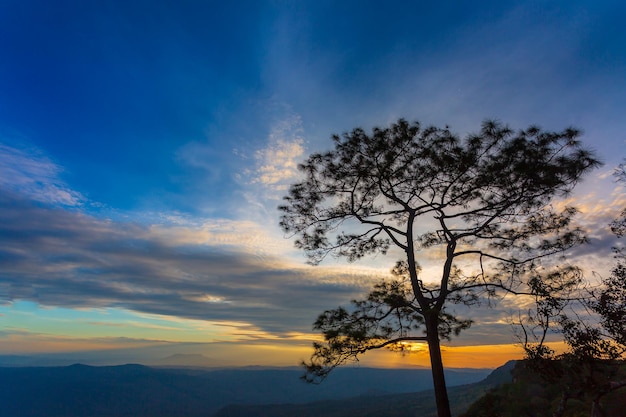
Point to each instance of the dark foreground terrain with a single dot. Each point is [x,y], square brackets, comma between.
[536,393]
[139,391]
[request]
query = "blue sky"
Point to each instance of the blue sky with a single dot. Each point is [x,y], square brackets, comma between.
[144,148]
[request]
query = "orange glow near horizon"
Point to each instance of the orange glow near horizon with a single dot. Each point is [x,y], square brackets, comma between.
[480,356]
[486,356]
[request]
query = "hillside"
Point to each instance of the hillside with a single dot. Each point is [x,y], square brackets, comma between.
[529,395]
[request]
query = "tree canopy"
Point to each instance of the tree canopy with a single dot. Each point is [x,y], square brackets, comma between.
[486,202]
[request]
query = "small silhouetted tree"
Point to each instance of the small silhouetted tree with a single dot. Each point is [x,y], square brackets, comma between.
[593,326]
[485,201]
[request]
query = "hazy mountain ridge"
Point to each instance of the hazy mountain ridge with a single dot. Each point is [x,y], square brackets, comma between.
[136,390]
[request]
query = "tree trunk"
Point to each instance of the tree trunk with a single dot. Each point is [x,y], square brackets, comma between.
[562,404]
[436,365]
[596,410]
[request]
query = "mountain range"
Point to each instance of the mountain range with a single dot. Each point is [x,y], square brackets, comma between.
[138,391]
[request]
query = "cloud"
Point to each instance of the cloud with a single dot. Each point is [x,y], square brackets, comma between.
[270,168]
[599,201]
[59,257]
[57,254]
[238,235]
[28,172]
[277,162]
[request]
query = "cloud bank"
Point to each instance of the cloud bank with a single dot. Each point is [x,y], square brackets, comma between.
[217,270]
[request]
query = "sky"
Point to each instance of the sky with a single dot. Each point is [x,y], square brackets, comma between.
[146,145]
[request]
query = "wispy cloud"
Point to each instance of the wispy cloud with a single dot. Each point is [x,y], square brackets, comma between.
[30,173]
[238,235]
[271,168]
[277,163]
